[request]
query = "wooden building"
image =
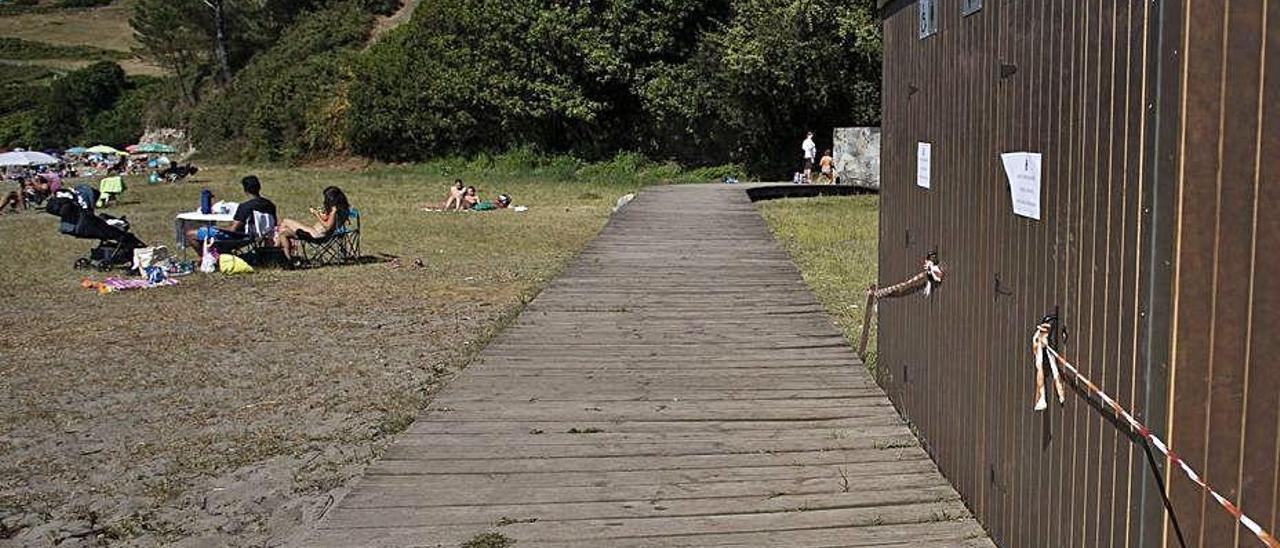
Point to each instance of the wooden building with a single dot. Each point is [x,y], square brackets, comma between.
[1157,123]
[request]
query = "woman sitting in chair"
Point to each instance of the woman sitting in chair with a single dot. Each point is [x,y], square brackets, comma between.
[332,217]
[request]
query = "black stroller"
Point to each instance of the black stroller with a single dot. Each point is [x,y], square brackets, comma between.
[177,173]
[115,242]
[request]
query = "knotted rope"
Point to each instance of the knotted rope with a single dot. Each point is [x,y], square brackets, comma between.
[929,276]
[1043,351]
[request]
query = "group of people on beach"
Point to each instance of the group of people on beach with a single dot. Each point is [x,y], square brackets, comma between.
[331,216]
[33,188]
[465,198]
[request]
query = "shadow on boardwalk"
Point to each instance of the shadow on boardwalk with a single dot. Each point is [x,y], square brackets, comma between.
[677,386]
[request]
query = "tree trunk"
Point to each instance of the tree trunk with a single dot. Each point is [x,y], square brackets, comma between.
[220,40]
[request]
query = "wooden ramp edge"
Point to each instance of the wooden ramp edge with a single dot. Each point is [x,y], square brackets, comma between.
[678,385]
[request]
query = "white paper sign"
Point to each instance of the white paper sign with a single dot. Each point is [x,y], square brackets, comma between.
[1023,169]
[924,160]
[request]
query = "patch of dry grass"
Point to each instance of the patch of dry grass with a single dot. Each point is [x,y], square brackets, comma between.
[106,27]
[229,409]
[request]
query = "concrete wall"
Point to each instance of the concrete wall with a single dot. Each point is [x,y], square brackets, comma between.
[857,154]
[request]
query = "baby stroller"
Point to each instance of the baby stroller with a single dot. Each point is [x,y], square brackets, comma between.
[115,242]
[176,173]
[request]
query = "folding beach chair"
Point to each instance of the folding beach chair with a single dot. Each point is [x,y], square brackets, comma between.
[109,190]
[340,246]
[259,233]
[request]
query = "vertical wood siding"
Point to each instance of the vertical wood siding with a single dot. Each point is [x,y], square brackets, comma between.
[1159,129]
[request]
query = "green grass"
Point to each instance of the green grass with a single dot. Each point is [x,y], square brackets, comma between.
[19,74]
[833,240]
[489,540]
[142,402]
[21,49]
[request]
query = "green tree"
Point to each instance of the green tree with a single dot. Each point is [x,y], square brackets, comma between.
[775,70]
[202,39]
[280,105]
[699,81]
[470,75]
[76,97]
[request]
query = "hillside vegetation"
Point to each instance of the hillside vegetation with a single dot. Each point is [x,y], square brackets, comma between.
[695,81]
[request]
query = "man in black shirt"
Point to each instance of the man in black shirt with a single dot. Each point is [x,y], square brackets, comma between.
[244,216]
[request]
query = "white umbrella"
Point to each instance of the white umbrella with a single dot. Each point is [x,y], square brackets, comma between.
[26,158]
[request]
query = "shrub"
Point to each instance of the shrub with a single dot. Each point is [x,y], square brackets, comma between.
[289,100]
[125,121]
[82,3]
[17,48]
[475,75]
[700,82]
[78,96]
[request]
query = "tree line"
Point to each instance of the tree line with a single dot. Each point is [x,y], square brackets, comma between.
[695,81]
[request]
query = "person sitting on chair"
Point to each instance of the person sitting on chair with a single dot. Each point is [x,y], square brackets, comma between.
[328,219]
[239,223]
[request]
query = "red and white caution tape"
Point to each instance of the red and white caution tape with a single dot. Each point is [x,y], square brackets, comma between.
[931,274]
[1040,342]
[1040,345]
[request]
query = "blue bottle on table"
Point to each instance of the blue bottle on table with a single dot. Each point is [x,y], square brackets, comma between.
[206,201]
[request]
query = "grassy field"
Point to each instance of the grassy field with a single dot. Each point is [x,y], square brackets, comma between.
[833,240]
[71,38]
[106,27]
[230,410]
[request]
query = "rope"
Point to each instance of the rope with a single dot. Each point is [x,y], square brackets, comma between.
[926,278]
[1042,350]
[929,276]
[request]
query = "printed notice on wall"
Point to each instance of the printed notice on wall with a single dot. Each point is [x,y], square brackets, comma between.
[1023,169]
[924,159]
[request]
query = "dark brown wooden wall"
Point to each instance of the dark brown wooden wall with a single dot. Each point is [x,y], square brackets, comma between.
[1158,125]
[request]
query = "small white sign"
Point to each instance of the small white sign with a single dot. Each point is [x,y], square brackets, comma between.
[924,161]
[1023,169]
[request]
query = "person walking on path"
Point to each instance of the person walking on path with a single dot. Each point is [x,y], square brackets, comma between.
[826,166]
[810,151]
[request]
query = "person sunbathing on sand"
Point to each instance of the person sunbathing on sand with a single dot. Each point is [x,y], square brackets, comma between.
[470,199]
[455,196]
[503,202]
[453,202]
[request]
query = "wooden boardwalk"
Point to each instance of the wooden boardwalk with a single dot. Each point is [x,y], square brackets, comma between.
[678,385]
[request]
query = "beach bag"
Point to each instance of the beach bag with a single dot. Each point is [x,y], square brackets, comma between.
[144,257]
[231,264]
[60,199]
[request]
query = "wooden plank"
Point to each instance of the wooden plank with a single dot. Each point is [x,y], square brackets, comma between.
[677,385]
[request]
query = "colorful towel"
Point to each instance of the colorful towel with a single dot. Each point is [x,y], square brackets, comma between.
[111,285]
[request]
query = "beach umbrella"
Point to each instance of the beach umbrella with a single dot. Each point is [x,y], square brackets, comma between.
[104,149]
[26,158]
[131,149]
[154,148]
[77,150]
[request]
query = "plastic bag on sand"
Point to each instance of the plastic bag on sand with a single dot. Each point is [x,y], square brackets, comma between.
[231,264]
[209,261]
[623,201]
